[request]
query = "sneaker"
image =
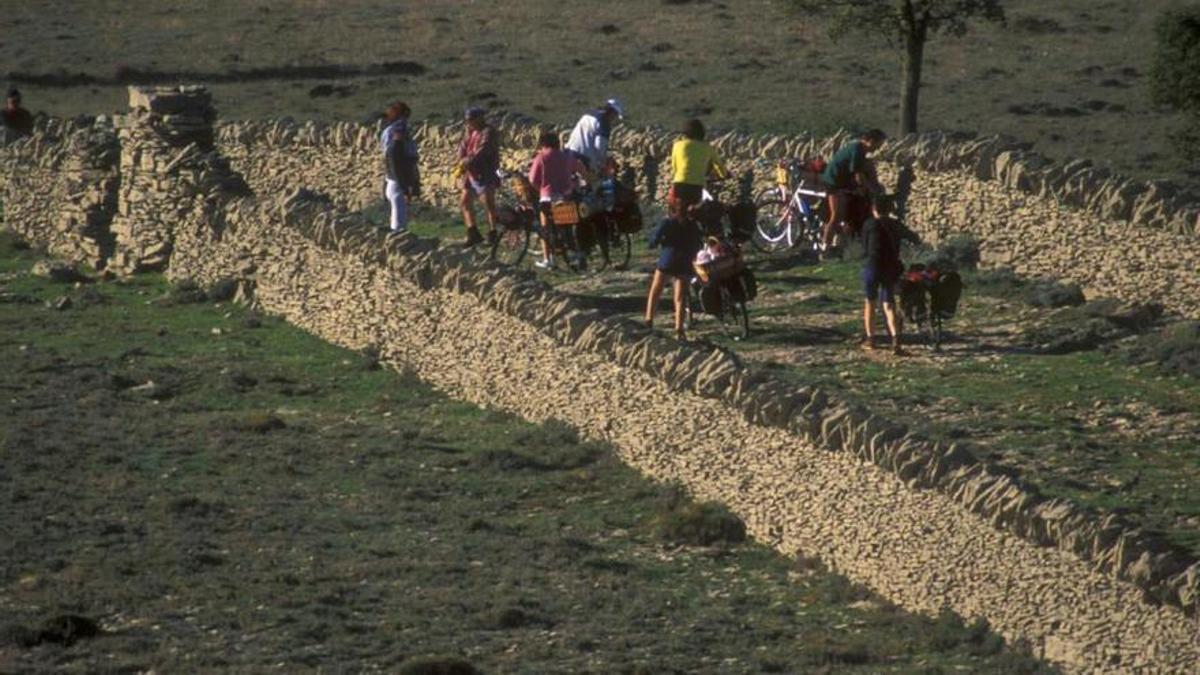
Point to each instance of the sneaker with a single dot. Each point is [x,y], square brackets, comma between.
[544,264]
[473,238]
[868,343]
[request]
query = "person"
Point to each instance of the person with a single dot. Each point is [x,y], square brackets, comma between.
[692,161]
[552,174]
[478,162]
[849,170]
[680,241]
[17,120]
[400,158]
[589,139]
[882,235]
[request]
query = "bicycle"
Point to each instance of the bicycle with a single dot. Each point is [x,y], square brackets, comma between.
[721,291]
[792,213]
[516,217]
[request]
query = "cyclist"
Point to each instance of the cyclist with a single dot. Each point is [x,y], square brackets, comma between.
[692,161]
[680,241]
[589,138]
[478,161]
[849,170]
[882,235]
[552,174]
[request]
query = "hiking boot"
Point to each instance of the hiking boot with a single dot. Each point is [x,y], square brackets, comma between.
[493,237]
[473,237]
[868,343]
[897,349]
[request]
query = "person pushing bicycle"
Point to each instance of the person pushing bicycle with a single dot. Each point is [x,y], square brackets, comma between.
[849,173]
[693,160]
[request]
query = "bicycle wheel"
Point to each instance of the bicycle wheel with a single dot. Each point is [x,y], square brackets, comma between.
[620,250]
[510,247]
[735,316]
[773,231]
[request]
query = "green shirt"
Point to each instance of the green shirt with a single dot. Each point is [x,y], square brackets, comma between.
[850,159]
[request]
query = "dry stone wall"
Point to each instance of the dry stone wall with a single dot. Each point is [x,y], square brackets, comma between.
[498,339]
[1072,221]
[60,188]
[297,251]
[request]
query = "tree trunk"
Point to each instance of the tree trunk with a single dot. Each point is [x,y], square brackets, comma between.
[910,82]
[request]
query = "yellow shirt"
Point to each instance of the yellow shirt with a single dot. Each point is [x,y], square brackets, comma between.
[690,162]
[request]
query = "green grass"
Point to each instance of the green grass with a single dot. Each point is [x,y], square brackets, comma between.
[1085,425]
[1071,77]
[278,502]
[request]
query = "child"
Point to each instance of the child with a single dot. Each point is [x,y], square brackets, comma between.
[680,241]
[553,176]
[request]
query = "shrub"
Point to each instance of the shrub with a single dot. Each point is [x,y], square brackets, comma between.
[699,524]
[1055,294]
[1174,350]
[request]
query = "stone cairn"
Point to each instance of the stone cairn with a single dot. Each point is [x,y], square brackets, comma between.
[167,166]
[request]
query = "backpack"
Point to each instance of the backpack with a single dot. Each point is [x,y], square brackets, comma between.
[629,218]
[742,218]
[944,294]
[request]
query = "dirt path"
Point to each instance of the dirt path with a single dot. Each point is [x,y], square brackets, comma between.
[918,549]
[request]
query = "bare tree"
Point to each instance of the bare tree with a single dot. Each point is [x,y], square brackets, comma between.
[908,25]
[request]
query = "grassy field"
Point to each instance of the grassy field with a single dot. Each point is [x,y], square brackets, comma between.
[1070,76]
[1080,407]
[218,490]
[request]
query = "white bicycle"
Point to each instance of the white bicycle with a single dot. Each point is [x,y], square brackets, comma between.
[790,220]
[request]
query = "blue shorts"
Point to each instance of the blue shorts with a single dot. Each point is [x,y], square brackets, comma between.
[876,284]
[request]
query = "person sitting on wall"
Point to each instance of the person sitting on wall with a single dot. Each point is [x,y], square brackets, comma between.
[478,162]
[680,241]
[693,160]
[552,174]
[401,160]
[18,122]
[849,171]
[589,139]
[882,235]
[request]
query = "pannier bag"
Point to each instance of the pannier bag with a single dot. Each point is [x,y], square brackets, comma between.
[585,232]
[629,219]
[944,294]
[723,269]
[708,215]
[742,217]
[564,214]
[514,217]
[710,299]
[750,283]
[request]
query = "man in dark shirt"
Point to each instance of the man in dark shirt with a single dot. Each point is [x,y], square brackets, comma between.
[849,170]
[17,120]
[881,236]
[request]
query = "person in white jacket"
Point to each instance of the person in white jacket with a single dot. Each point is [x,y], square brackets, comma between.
[589,138]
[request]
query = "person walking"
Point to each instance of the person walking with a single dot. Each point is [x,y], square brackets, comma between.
[403,181]
[882,235]
[680,241]
[478,162]
[552,174]
[849,171]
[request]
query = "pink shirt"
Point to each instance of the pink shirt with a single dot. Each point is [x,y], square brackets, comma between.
[552,173]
